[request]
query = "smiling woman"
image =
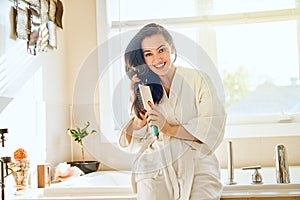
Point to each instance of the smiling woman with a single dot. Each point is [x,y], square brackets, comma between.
[189,117]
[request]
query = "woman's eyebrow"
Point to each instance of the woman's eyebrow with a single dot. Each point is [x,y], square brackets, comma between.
[160,46]
[147,50]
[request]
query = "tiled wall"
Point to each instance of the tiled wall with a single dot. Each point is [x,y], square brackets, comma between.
[259,151]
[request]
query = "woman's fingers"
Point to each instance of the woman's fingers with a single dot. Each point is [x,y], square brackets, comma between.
[134,79]
[150,104]
[155,117]
[152,117]
[144,116]
[153,107]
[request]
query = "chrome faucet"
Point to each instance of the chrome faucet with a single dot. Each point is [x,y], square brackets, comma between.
[256,176]
[230,168]
[281,164]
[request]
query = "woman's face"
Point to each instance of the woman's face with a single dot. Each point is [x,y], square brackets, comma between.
[157,53]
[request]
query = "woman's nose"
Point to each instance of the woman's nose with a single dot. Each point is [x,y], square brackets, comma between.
[156,59]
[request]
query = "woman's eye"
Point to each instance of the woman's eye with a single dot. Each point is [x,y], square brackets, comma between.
[147,54]
[161,50]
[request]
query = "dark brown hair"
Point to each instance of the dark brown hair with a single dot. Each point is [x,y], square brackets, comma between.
[135,64]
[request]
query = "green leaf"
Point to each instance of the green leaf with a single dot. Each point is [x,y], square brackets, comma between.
[79,134]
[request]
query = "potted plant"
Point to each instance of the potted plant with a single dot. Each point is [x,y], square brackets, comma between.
[79,134]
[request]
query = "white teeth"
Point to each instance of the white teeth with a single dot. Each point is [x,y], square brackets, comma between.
[159,66]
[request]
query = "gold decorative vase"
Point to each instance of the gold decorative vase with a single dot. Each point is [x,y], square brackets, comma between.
[20,171]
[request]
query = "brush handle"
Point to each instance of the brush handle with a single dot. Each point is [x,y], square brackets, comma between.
[155,129]
[147,101]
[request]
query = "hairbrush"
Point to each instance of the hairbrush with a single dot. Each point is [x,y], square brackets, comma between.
[145,97]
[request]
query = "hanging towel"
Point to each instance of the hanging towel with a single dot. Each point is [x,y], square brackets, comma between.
[52,34]
[44,11]
[59,13]
[22,23]
[44,32]
[34,43]
[52,10]
[33,3]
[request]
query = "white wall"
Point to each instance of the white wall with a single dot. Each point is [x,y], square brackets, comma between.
[59,68]
[50,122]
[81,40]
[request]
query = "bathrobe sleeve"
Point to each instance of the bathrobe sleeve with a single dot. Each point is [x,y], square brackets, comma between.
[138,138]
[209,118]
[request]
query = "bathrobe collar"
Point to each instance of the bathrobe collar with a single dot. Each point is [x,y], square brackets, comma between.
[175,87]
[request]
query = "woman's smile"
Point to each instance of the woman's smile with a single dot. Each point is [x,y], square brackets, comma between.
[160,65]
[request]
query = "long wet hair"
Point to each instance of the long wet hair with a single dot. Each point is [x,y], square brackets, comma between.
[135,64]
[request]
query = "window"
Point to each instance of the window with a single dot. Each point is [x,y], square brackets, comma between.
[253,43]
[260,67]
[142,10]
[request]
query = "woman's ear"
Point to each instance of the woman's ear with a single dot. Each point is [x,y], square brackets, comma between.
[173,54]
[172,48]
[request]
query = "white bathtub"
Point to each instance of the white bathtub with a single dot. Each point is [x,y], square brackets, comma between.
[117,185]
[107,184]
[99,185]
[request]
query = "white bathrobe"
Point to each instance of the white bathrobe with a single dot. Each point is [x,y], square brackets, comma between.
[172,168]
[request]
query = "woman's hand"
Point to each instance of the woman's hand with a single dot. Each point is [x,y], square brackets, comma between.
[154,117]
[136,124]
[139,123]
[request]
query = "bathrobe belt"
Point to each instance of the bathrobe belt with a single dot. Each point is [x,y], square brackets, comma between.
[147,143]
[186,171]
[181,183]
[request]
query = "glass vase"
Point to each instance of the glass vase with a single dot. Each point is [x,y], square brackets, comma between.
[20,171]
